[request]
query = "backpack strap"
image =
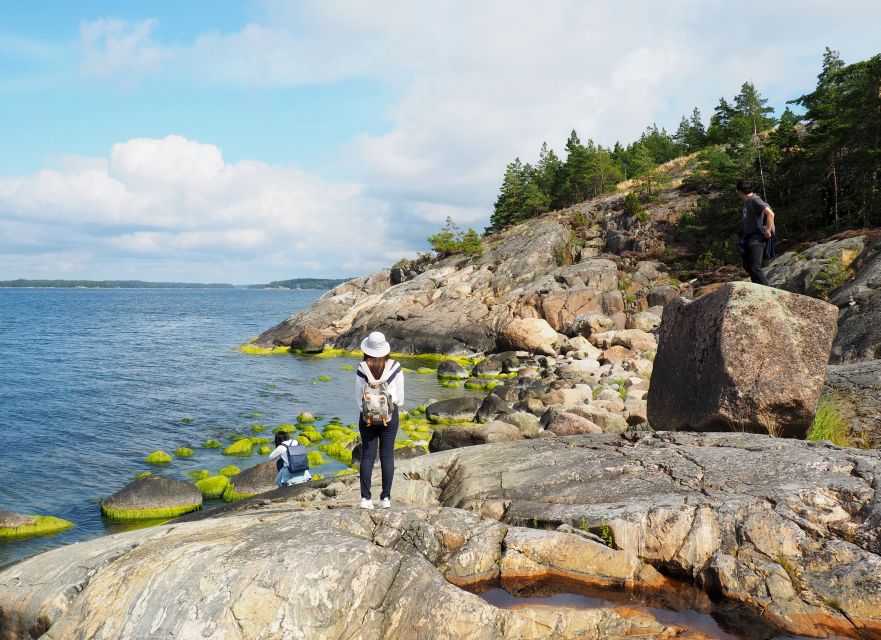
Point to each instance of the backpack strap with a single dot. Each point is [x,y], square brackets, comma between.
[395,372]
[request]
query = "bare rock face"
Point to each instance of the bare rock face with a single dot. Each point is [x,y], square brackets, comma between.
[287,573]
[808,272]
[742,358]
[859,325]
[855,390]
[570,424]
[529,334]
[309,340]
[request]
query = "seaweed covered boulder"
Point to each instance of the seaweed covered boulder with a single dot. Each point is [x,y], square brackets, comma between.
[454,409]
[258,479]
[742,358]
[152,497]
[16,525]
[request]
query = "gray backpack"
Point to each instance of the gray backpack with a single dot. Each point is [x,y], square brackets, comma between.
[376,403]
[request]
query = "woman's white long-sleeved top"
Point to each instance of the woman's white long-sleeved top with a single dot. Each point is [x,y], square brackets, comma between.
[396,386]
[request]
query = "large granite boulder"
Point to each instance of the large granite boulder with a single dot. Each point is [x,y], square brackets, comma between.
[258,479]
[452,369]
[454,409]
[570,424]
[742,358]
[491,406]
[283,573]
[456,436]
[152,497]
[309,340]
[855,391]
[529,334]
[815,271]
[859,325]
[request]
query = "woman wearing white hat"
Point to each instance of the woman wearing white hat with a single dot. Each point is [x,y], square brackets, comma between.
[379,388]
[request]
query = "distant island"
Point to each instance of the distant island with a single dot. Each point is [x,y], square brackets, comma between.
[112,284]
[301,283]
[295,283]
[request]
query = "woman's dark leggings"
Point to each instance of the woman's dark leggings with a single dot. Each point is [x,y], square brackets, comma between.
[386,436]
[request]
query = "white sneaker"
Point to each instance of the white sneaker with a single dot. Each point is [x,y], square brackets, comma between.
[385,503]
[366,504]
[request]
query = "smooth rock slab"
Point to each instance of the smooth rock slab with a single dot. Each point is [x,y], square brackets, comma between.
[742,358]
[355,574]
[152,497]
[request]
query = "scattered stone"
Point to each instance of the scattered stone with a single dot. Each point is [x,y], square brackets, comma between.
[644,321]
[16,525]
[491,406]
[309,340]
[662,295]
[591,323]
[152,497]
[570,424]
[530,334]
[452,370]
[487,367]
[455,436]
[743,358]
[454,409]
[527,423]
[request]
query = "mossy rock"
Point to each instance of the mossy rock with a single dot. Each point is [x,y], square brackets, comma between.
[15,525]
[240,448]
[311,434]
[158,457]
[325,378]
[255,414]
[257,428]
[239,436]
[257,440]
[253,350]
[142,474]
[290,428]
[199,474]
[345,472]
[186,420]
[450,384]
[480,385]
[338,451]
[315,458]
[265,450]
[212,487]
[425,370]
[230,470]
[347,367]
[258,479]
[152,497]
[317,476]
[212,444]
[184,452]
[305,418]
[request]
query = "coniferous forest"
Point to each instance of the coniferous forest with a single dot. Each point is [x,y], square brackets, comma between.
[818,163]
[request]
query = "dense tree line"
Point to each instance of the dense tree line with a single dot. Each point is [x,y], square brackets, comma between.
[819,166]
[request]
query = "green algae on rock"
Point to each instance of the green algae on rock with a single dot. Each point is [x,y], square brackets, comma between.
[158,457]
[212,487]
[336,450]
[187,420]
[152,497]
[183,452]
[257,479]
[289,428]
[212,444]
[243,447]
[264,450]
[305,418]
[230,470]
[14,525]
[253,350]
[325,378]
[257,440]
[257,428]
[141,475]
[315,458]
[199,474]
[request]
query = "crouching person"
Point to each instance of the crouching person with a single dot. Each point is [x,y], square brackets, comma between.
[291,460]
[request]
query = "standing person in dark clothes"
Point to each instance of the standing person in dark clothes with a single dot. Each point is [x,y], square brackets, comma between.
[756,232]
[379,392]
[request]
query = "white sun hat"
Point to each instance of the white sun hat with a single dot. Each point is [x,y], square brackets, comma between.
[375,345]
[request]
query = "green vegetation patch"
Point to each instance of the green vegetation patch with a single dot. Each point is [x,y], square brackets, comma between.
[345,472]
[158,457]
[229,471]
[43,525]
[265,450]
[257,428]
[450,384]
[289,428]
[347,367]
[212,487]
[424,370]
[315,458]
[187,420]
[142,474]
[311,434]
[253,350]
[481,385]
[231,495]
[325,378]
[305,418]
[184,452]
[336,450]
[255,440]
[200,474]
[212,444]
[242,447]
[828,424]
[147,514]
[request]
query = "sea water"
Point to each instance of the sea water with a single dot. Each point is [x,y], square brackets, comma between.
[93,380]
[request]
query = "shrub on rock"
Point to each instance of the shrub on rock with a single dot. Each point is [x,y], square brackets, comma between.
[742,358]
[152,497]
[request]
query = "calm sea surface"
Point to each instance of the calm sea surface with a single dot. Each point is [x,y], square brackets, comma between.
[93,380]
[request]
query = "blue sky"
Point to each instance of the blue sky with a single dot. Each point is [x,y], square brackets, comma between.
[250,141]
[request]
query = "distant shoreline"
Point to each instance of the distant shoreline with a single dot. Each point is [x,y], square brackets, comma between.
[293,284]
